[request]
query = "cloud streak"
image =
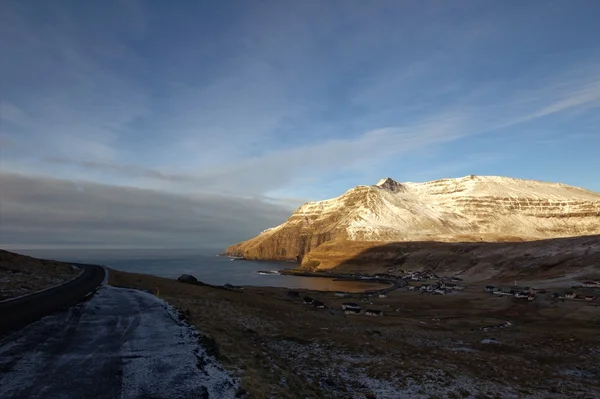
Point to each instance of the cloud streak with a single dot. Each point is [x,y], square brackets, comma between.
[273,102]
[45,211]
[278,169]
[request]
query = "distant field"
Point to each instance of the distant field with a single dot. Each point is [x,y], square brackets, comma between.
[432,346]
[20,275]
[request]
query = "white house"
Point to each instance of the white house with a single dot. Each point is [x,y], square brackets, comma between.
[591,284]
[373,312]
[350,308]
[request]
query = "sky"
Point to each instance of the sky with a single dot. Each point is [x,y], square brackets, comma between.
[188,124]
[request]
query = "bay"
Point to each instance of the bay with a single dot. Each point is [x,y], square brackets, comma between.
[205,265]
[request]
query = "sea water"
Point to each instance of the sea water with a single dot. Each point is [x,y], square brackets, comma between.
[205,265]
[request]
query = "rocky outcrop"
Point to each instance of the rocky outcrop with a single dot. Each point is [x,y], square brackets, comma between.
[472,209]
[186,278]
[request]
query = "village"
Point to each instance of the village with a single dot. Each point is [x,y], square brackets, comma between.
[339,342]
[374,303]
[586,291]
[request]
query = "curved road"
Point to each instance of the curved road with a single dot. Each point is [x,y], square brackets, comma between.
[121,343]
[18,312]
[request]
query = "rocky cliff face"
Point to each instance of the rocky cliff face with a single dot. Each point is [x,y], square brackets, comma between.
[472,208]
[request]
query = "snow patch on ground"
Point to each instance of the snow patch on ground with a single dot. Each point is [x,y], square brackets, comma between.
[347,375]
[120,343]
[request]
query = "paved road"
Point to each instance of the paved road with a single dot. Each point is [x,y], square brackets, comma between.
[121,343]
[19,312]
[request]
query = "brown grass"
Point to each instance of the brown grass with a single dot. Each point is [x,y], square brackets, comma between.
[250,328]
[20,275]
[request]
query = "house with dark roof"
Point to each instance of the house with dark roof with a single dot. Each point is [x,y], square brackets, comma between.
[307,300]
[373,312]
[318,304]
[351,308]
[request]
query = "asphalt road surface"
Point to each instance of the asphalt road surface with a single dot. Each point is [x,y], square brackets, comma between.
[18,312]
[121,343]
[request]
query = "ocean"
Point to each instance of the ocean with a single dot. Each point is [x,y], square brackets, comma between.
[205,265]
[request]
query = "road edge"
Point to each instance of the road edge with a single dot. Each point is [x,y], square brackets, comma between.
[21,311]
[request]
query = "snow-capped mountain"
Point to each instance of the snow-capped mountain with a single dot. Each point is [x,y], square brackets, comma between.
[471,208]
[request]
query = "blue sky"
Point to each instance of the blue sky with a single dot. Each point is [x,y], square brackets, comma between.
[286,101]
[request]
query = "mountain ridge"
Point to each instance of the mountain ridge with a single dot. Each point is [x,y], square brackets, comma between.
[471,208]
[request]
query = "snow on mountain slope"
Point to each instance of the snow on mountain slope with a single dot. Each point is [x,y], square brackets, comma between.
[471,208]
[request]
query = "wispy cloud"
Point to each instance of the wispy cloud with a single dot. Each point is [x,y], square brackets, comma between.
[62,92]
[277,169]
[259,99]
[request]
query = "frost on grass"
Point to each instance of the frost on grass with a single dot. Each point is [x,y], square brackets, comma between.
[348,375]
[192,359]
[120,343]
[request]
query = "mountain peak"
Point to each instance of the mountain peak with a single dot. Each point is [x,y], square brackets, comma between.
[468,208]
[389,184]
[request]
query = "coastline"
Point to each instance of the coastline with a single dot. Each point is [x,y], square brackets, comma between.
[273,336]
[391,284]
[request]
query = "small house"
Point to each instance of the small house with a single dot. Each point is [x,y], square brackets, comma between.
[308,300]
[341,294]
[350,305]
[531,297]
[522,294]
[570,295]
[382,295]
[373,312]
[318,304]
[351,308]
[439,291]
[591,284]
[489,288]
[589,297]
